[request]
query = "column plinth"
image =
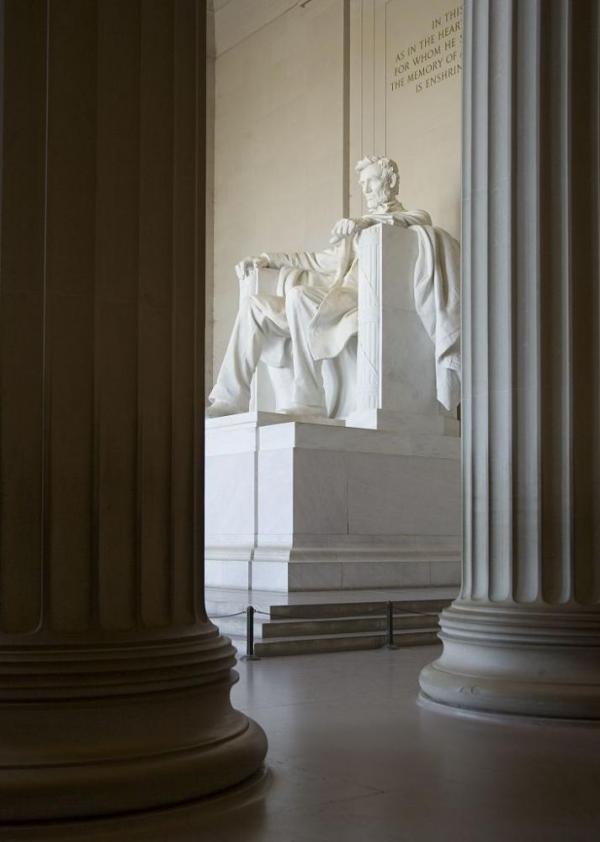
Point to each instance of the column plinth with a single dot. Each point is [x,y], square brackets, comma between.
[524,635]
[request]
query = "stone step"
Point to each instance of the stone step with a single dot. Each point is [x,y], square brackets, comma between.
[340,625]
[342,642]
[353,609]
[329,627]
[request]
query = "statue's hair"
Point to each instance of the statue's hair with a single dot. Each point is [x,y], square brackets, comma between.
[387,167]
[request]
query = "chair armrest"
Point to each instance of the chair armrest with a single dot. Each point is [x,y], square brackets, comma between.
[264,281]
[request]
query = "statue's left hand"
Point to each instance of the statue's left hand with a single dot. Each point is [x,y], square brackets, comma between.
[245,266]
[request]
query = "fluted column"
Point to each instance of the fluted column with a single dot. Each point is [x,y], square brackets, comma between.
[114,686]
[524,634]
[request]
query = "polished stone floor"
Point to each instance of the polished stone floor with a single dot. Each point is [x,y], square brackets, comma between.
[354,758]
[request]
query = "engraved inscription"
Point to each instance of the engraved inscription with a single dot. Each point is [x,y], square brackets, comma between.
[432,59]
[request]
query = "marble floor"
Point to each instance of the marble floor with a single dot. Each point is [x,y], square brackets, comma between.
[354,758]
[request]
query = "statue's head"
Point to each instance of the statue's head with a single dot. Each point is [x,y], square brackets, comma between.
[378,177]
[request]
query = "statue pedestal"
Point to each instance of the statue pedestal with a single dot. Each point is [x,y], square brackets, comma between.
[298,505]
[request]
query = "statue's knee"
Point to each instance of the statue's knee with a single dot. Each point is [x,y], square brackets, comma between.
[294,296]
[251,304]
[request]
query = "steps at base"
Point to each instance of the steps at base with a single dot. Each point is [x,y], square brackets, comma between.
[354,609]
[330,627]
[341,625]
[341,643]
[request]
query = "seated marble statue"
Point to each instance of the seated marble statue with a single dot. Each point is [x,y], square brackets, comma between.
[315,315]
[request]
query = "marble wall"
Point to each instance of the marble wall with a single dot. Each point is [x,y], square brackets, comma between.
[304,89]
[405,67]
[279,132]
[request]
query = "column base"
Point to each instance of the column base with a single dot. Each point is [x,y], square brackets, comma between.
[146,783]
[525,661]
[124,742]
[85,790]
[186,820]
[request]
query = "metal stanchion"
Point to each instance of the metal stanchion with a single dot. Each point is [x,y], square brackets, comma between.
[250,656]
[390,626]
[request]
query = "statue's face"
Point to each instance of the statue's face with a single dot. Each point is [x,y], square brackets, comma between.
[375,188]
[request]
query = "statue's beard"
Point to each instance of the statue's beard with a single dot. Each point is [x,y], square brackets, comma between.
[380,200]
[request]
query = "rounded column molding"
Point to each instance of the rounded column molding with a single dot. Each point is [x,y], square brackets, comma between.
[535,661]
[88,730]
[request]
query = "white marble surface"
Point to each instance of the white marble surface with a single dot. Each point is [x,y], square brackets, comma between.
[320,491]
[232,597]
[331,507]
[383,574]
[444,572]
[296,572]
[399,365]
[222,572]
[313,436]
[230,505]
[405,495]
[275,492]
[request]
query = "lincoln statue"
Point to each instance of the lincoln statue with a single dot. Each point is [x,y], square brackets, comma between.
[314,314]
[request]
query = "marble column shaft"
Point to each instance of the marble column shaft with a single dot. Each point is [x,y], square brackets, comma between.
[114,686]
[524,634]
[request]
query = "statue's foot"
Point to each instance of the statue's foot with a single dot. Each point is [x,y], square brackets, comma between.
[220,408]
[305,409]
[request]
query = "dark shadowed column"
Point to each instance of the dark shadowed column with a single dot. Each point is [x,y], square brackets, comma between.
[524,635]
[114,686]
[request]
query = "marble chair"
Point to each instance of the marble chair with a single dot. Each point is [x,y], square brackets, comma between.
[272,388]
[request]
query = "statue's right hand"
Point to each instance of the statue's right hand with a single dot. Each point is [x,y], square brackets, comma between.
[248,264]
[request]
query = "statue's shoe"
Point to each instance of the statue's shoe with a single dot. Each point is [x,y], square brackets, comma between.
[220,408]
[305,409]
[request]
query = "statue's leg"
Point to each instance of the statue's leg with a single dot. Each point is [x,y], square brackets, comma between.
[301,304]
[258,319]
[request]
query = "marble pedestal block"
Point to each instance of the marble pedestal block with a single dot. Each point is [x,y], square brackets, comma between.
[293,505]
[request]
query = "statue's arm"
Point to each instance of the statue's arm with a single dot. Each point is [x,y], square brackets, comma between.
[323,262]
[347,227]
[350,227]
